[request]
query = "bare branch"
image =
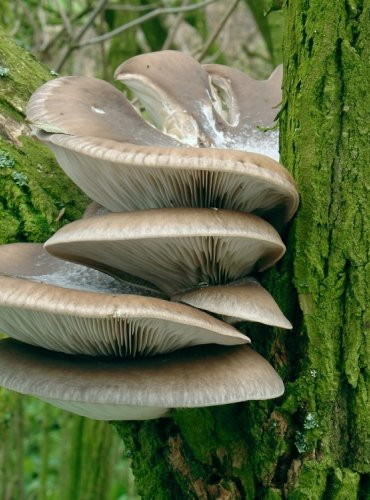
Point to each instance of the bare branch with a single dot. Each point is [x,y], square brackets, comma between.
[97,9]
[218,30]
[132,8]
[146,17]
[172,32]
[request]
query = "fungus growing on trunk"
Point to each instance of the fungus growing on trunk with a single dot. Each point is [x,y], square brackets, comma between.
[245,300]
[200,207]
[125,164]
[174,248]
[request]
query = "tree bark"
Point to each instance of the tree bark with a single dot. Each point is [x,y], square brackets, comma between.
[315,441]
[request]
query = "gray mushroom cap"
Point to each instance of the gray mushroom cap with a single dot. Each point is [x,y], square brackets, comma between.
[31,261]
[138,389]
[206,105]
[126,164]
[175,249]
[244,301]
[85,322]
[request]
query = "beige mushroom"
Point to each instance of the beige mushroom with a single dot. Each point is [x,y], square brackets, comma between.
[175,249]
[204,106]
[59,318]
[138,389]
[235,302]
[126,164]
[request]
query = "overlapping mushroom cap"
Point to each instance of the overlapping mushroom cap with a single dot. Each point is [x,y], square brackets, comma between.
[175,248]
[125,163]
[42,307]
[142,388]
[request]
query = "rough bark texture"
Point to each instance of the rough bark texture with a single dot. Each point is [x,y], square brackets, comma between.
[315,441]
[36,198]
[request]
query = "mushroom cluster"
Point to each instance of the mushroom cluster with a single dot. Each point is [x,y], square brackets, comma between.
[129,311]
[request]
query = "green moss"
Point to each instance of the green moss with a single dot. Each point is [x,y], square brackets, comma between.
[312,482]
[149,450]
[34,190]
[345,484]
[24,75]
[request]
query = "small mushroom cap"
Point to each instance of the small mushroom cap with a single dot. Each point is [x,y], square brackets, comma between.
[246,301]
[176,249]
[142,388]
[257,105]
[83,322]
[83,106]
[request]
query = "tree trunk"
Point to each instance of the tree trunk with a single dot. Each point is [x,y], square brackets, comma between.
[315,441]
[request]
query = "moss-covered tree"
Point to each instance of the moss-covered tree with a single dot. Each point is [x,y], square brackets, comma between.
[315,441]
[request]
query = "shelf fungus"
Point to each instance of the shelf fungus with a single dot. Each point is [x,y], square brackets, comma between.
[245,300]
[144,388]
[201,160]
[125,314]
[174,248]
[60,318]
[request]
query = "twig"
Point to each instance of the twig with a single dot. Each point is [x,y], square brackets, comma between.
[65,18]
[218,30]
[98,8]
[48,45]
[132,8]
[146,17]
[172,33]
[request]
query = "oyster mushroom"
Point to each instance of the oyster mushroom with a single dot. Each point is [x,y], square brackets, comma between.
[126,164]
[206,105]
[84,322]
[175,249]
[246,300]
[138,389]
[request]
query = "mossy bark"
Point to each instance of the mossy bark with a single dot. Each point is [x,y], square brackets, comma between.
[36,197]
[315,441]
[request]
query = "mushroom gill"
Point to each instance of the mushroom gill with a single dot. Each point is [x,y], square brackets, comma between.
[142,388]
[173,248]
[126,164]
[111,320]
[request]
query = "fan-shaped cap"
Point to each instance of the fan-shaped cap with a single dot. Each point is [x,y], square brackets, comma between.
[31,261]
[244,301]
[138,389]
[80,322]
[210,105]
[175,249]
[125,164]
[83,106]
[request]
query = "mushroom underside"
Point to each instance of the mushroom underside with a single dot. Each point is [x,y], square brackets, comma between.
[195,377]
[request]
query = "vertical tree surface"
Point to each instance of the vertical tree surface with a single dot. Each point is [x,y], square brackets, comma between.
[315,441]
